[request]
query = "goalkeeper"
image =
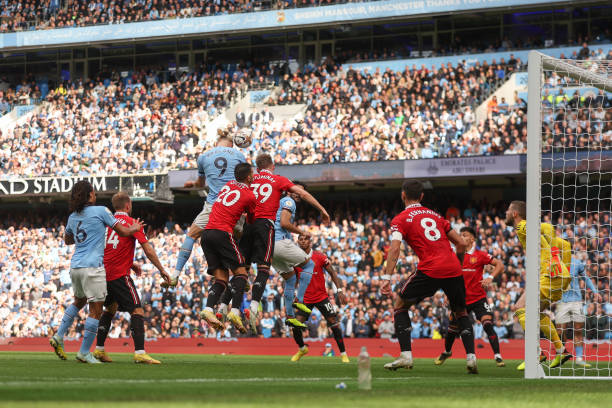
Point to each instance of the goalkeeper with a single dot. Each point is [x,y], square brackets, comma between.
[555,260]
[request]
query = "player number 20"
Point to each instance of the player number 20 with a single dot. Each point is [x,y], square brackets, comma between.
[430,228]
[263,190]
[228,198]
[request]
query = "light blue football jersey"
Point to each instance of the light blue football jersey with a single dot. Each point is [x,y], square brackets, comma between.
[574,292]
[286,203]
[89,231]
[217,165]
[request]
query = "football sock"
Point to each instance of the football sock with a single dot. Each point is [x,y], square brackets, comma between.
[467,334]
[238,284]
[578,350]
[183,255]
[226,298]
[550,332]
[305,277]
[298,337]
[263,273]
[67,320]
[453,331]
[138,332]
[520,315]
[214,293]
[337,332]
[493,340]
[89,334]
[103,329]
[289,295]
[403,327]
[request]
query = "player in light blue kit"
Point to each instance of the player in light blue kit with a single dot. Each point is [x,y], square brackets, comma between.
[288,255]
[216,167]
[86,229]
[570,309]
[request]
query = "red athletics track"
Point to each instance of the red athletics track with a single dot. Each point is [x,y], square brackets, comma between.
[422,348]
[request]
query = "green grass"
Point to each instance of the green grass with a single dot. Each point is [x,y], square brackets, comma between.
[40,379]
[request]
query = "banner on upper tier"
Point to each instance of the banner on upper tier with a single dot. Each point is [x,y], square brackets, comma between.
[277,19]
[136,185]
[463,166]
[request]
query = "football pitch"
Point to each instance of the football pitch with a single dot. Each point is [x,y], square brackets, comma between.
[40,379]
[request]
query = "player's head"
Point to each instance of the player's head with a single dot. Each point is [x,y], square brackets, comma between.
[82,194]
[264,162]
[305,242]
[224,139]
[469,235]
[296,197]
[412,191]
[517,211]
[121,202]
[243,173]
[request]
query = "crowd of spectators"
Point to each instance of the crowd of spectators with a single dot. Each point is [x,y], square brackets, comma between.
[35,282]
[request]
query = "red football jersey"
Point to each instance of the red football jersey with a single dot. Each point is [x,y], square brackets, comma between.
[425,231]
[233,200]
[268,189]
[473,267]
[119,251]
[316,290]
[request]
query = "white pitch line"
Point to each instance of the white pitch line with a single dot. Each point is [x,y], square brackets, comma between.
[40,381]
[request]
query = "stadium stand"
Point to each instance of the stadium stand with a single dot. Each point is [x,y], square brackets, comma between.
[35,286]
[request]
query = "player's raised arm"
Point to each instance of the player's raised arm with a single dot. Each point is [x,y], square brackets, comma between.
[152,255]
[306,196]
[199,183]
[458,242]
[124,231]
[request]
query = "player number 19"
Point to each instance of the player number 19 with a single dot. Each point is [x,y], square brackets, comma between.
[430,228]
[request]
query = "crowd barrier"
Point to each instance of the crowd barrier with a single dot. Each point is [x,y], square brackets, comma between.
[422,348]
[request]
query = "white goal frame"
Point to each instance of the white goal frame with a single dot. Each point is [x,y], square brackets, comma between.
[537,63]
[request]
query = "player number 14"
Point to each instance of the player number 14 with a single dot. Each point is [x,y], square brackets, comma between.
[113,239]
[430,228]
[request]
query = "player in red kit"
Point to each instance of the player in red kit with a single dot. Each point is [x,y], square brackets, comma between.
[257,242]
[221,251]
[122,294]
[474,262]
[430,236]
[316,296]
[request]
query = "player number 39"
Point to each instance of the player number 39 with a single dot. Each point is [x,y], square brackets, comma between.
[430,228]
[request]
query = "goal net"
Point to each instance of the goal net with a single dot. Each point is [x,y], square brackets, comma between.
[569,208]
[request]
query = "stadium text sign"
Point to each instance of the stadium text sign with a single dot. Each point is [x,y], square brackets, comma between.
[54,185]
[463,166]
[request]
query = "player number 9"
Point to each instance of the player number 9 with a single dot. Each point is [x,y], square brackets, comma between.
[430,228]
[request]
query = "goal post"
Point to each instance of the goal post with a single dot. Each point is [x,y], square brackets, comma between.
[569,185]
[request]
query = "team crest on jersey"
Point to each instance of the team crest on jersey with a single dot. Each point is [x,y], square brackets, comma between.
[473,259]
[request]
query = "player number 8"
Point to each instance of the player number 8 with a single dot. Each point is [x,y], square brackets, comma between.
[432,232]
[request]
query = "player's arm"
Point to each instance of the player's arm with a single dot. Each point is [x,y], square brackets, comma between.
[589,283]
[458,242]
[392,257]
[68,238]
[498,267]
[285,222]
[199,183]
[306,196]
[334,277]
[152,255]
[124,231]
